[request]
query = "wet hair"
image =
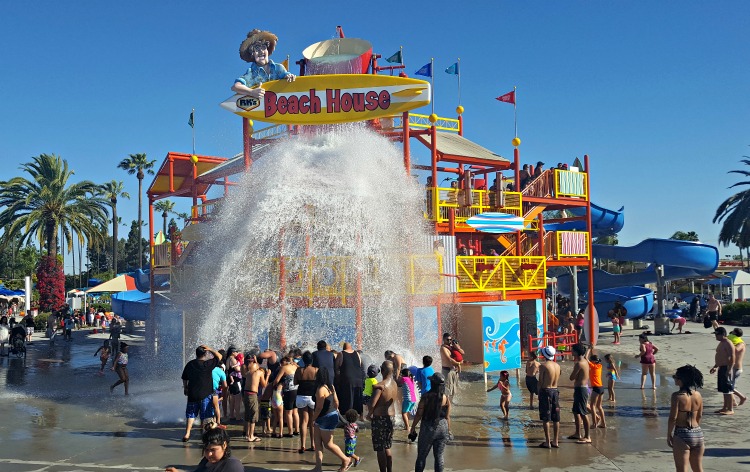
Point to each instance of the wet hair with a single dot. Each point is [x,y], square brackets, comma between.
[307,358]
[405,373]
[388,354]
[427,361]
[579,349]
[642,337]
[322,378]
[322,344]
[595,359]
[690,377]
[286,360]
[504,375]
[533,355]
[608,357]
[351,415]
[200,352]
[721,331]
[433,399]
[216,437]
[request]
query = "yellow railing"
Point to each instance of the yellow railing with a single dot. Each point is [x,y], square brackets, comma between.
[570,184]
[467,204]
[500,274]
[441,124]
[332,276]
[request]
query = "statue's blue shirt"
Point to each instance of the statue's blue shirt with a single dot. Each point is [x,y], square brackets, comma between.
[257,74]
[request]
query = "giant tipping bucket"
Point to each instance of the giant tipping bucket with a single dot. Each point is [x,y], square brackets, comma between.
[338,56]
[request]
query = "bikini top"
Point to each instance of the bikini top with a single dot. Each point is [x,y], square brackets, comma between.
[689,413]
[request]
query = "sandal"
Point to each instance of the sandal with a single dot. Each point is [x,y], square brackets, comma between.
[301,450]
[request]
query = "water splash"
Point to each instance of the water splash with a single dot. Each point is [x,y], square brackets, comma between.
[336,205]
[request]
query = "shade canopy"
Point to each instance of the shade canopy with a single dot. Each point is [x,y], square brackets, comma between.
[118,284]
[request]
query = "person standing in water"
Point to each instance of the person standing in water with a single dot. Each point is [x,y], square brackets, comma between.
[549,397]
[532,384]
[580,378]
[121,367]
[381,415]
[684,434]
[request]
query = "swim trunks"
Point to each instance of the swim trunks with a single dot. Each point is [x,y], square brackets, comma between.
[382,433]
[350,445]
[581,400]
[252,410]
[532,384]
[597,390]
[549,405]
[724,381]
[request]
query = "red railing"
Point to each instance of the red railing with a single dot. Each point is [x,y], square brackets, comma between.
[561,342]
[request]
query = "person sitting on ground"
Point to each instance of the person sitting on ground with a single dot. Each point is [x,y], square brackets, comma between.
[684,434]
[217,454]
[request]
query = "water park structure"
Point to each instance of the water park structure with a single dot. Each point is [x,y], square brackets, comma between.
[348,256]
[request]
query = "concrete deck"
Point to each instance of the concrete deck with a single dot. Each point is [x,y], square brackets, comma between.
[58,415]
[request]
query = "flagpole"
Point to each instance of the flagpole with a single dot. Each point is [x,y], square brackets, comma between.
[432,83]
[515,115]
[193,115]
[401,50]
[458,65]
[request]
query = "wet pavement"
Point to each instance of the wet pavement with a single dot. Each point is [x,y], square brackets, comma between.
[58,415]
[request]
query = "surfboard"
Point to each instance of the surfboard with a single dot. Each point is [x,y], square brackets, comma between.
[496,222]
[588,320]
[334,98]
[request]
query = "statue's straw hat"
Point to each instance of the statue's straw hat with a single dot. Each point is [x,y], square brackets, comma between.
[253,37]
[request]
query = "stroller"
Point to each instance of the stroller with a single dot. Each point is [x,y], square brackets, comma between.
[17,343]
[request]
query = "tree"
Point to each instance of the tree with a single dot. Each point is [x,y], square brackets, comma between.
[165,207]
[735,211]
[683,236]
[50,283]
[132,246]
[47,202]
[138,164]
[113,190]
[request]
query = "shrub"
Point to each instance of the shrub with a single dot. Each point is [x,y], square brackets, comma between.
[51,284]
[733,312]
[40,322]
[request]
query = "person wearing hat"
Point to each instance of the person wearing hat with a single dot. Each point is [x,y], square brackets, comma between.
[549,397]
[257,49]
[538,169]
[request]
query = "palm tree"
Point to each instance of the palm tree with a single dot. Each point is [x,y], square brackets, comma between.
[165,207]
[138,164]
[735,211]
[112,190]
[47,202]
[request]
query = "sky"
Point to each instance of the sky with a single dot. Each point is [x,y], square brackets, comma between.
[656,93]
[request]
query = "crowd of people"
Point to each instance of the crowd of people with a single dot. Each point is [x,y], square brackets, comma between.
[310,394]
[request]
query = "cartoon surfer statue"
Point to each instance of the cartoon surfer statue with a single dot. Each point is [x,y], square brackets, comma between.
[257,49]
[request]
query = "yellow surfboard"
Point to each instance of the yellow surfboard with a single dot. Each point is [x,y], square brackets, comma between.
[336,98]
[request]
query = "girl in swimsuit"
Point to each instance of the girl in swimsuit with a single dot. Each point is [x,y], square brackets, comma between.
[503,384]
[684,434]
[648,361]
[612,375]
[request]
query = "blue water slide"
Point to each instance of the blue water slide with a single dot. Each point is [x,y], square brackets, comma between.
[142,282]
[604,222]
[681,259]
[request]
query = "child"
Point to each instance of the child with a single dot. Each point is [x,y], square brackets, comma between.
[532,384]
[103,357]
[410,396]
[424,374]
[456,355]
[350,436]
[277,408]
[504,385]
[121,367]
[265,410]
[613,374]
[616,329]
[595,402]
[370,381]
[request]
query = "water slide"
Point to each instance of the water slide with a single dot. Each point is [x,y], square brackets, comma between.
[681,259]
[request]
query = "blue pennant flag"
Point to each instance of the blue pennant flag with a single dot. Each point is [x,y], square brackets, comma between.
[425,70]
[453,69]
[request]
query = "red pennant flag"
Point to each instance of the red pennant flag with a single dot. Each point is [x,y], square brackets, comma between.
[509,97]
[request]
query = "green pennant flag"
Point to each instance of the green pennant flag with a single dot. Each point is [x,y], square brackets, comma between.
[396,58]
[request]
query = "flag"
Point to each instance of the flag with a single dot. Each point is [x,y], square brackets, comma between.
[425,70]
[396,58]
[453,69]
[509,97]
[190,121]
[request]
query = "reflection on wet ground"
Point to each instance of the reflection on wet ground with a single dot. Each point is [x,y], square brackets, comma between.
[58,415]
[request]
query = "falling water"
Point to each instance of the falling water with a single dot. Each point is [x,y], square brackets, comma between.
[339,200]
